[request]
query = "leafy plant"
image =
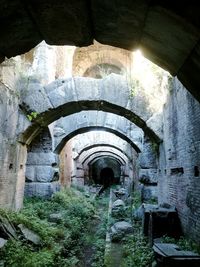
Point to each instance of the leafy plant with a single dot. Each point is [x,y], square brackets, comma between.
[33,115]
[61,242]
[183,242]
[136,250]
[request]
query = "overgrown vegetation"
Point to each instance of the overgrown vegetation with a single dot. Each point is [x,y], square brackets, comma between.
[136,199]
[33,115]
[61,242]
[183,242]
[136,250]
[100,234]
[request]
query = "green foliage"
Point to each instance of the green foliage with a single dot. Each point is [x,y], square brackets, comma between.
[100,232]
[134,85]
[155,147]
[61,242]
[136,199]
[33,115]
[183,242]
[18,254]
[136,250]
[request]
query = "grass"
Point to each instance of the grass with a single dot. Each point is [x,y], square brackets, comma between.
[61,242]
[136,250]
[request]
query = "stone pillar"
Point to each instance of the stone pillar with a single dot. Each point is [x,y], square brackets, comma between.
[148,172]
[42,171]
[78,178]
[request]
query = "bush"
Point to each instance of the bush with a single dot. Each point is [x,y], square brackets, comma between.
[136,250]
[61,243]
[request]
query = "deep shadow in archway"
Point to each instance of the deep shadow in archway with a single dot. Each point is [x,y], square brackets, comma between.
[106,177]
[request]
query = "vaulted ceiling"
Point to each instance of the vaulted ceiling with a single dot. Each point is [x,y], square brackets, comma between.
[168,32]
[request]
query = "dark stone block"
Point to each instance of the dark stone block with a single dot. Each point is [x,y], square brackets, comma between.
[170,255]
[159,221]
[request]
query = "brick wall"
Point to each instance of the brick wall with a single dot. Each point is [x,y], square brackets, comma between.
[179,178]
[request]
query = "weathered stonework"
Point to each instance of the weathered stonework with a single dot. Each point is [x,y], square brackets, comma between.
[89,61]
[64,97]
[42,166]
[180,157]
[148,170]
[93,120]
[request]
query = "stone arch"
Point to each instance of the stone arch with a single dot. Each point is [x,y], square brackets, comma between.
[93,139]
[91,120]
[132,25]
[85,129]
[86,58]
[102,145]
[94,152]
[99,163]
[65,97]
[77,173]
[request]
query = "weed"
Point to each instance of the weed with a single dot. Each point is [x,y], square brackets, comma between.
[136,250]
[183,242]
[61,242]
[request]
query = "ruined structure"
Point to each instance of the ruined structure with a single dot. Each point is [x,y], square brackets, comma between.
[52,98]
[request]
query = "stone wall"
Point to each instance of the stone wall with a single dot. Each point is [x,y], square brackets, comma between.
[180,158]
[148,171]
[12,154]
[42,171]
[86,58]
[66,164]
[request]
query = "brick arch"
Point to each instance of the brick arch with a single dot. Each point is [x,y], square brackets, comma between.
[64,97]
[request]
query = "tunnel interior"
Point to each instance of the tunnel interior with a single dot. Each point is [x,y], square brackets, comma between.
[106,177]
[105,171]
[107,84]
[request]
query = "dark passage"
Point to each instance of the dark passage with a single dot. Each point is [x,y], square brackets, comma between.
[106,177]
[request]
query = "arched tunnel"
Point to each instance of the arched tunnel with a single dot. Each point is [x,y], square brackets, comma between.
[83,104]
[105,171]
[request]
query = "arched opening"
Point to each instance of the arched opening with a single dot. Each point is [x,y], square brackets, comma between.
[105,171]
[101,70]
[106,177]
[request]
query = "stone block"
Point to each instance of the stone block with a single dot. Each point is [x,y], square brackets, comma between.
[43,190]
[80,173]
[41,158]
[148,176]
[2,242]
[30,235]
[79,182]
[44,173]
[63,94]
[149,193]
[35,97]
[87,88]
[30,174]
[120,229]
